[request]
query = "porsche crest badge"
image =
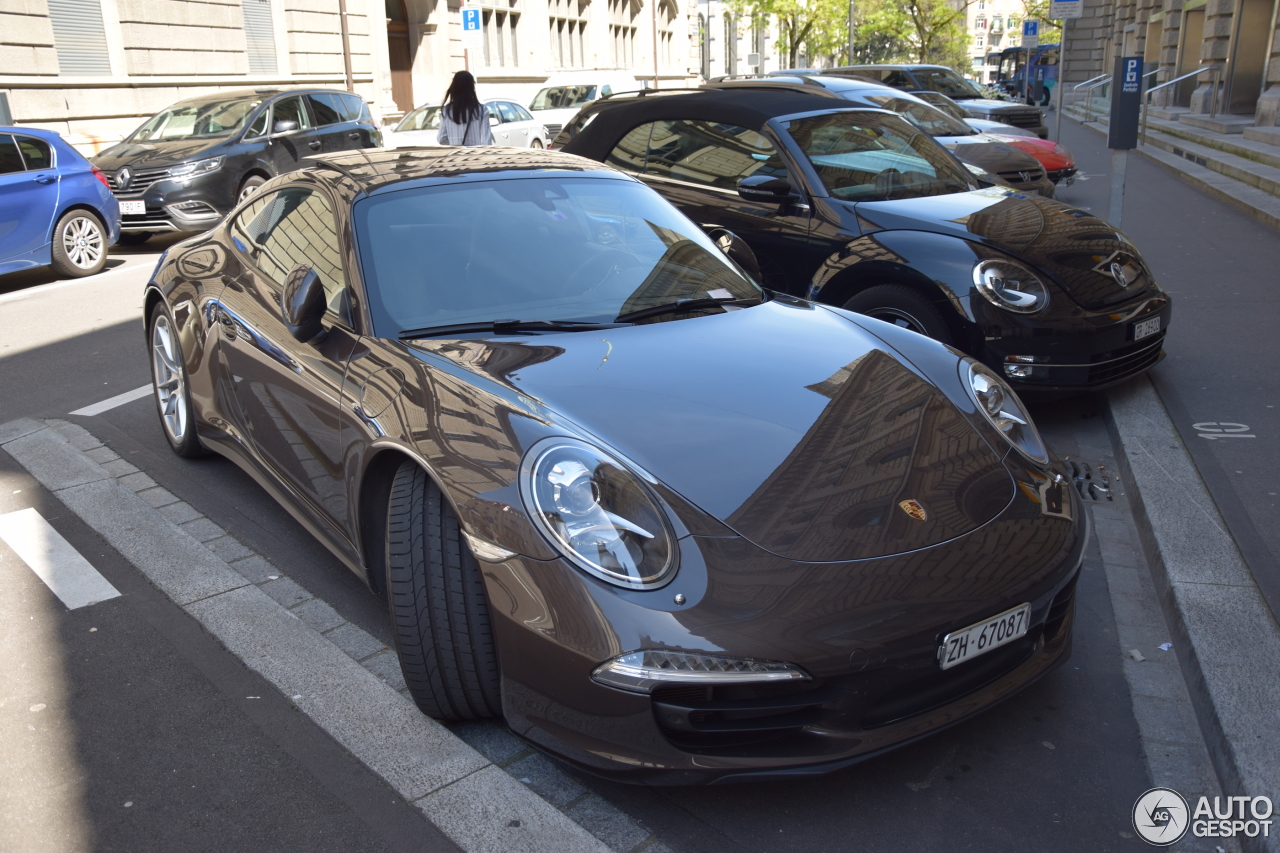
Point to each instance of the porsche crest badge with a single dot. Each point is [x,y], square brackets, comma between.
[914,509]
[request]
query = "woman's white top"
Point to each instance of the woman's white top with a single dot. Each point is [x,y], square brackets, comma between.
[475,131]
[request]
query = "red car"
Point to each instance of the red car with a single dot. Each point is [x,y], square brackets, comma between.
[1058,163]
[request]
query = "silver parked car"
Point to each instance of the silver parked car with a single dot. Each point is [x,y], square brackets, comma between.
[511,123]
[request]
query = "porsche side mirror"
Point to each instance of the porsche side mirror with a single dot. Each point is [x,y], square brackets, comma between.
[284,125]
[302,302]
[736,249]
[766,188]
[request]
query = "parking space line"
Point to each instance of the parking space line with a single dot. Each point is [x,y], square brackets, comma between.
[112,402]
[54,560]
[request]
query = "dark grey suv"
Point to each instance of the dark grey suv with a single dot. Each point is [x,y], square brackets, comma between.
[189,164]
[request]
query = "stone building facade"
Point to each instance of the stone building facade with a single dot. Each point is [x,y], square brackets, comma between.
[993,25]
[1175,37]
[95,69]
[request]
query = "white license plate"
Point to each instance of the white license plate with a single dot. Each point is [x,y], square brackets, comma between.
[967,643]
[1146,328]
[133,208]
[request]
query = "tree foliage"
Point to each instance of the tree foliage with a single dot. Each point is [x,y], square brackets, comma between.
[1038,10]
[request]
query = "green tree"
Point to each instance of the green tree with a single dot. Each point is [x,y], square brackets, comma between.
[1038,10]
[882,33]
[817,27]
[939,35]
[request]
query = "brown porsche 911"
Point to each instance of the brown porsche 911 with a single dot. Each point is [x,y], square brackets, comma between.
[673,527]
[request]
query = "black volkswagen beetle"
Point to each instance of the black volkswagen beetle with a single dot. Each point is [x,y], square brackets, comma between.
[673,528]
[855,207]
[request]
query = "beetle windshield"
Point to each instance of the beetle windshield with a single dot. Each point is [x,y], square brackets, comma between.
[864,156]
[563,97]
[545,248]
[193,121]
[423,118]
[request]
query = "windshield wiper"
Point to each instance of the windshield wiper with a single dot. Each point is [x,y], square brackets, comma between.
[684,305]
[506,327]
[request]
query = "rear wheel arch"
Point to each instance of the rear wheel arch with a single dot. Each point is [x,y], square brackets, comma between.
[87,208]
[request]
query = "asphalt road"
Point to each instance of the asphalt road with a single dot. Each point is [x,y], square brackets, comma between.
[1222,268]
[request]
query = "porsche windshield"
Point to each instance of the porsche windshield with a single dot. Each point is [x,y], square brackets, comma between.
[863,156]
[546,248]
[196,121]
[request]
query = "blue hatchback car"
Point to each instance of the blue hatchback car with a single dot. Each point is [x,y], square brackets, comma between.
[55,206]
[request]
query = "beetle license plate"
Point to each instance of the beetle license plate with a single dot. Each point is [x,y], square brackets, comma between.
[1146,328]
[133,208]
[967,643]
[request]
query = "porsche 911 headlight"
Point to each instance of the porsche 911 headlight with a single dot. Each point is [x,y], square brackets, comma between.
[599,514]
[1004,410]
[1009,285]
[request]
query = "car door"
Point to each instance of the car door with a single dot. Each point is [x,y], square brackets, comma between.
[284,394]
[287,149]
[29,191]
[697,165]
[501,133]
[517,130]
[327,122]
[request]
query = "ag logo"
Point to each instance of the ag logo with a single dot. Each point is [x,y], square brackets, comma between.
[914,509]
[1160,817]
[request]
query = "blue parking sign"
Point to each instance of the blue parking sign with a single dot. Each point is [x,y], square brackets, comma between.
[471,19]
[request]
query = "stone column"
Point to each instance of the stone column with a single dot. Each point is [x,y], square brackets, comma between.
[1268,113]
[1171,27]
[1217,39]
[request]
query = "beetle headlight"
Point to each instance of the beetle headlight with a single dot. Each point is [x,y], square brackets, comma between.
[1009,285]
[598,513]
[1004,410]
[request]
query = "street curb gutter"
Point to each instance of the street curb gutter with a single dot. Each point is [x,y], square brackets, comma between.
[1225,636]
[472,801]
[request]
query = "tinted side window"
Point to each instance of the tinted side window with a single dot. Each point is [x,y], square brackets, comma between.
[896,79]
[259,126]
[290,109]
[522,112]
[630,152]
[322,108]
[710,153]
[10,159]
[353,107]
[508,112]
[293,226]
[36,152]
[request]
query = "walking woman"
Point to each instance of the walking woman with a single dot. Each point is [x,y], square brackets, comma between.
[463,119]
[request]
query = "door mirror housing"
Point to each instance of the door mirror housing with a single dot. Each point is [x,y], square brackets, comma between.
[283,126]
[766,188]
[736,249]
[302,302]
[493,121]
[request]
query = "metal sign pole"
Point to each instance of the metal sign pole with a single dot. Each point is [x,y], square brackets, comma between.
[1122,132]
[852,61]
[1115,210]
[1062,81]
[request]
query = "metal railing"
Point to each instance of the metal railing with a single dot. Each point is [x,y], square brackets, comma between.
[1213,101]
[1101,78]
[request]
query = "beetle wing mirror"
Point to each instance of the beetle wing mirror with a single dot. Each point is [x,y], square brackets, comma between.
[284,125]
[302,302]
[736,249]
[766,188]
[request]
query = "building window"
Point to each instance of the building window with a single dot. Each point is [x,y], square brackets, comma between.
[501,48]
[759,41]
[568,27]
[622,32]
[704,46]
[997,24]
[730,44]
[79,37]
[1014,23]
[980,22]
[666,23]
[259,36]
[978,41]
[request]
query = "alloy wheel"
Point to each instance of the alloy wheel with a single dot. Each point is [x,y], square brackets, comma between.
[167,375]
[246,191]
[82,241]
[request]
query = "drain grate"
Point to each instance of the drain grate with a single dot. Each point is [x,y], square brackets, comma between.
[1090,481]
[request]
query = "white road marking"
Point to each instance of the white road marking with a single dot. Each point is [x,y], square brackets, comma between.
[1214,429]
[112,402]
[54,560]
[45,288]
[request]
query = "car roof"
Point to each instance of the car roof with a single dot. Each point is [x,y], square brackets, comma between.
[807,83]
[749,105]
[262,94]
[31,131]
[374,168]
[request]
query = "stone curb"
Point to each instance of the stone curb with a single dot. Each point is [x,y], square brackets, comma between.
[340,676]
[1225,636]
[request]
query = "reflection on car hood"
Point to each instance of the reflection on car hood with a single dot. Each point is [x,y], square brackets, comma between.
[989,153]
[1073,245]
[155,155]
[794,426]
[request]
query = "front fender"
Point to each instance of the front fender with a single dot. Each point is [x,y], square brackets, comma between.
[939,265]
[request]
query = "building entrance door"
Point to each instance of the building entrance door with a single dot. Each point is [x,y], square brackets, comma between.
[399,55]
[1251,39]
[1191,37]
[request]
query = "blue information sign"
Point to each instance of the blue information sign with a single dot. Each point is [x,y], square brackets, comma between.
[470,20]
[1132,75]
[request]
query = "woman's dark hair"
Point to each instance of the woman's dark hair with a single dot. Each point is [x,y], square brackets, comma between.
[460,102]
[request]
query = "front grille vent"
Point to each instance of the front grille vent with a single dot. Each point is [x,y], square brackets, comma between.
[138,184]
[1023,119]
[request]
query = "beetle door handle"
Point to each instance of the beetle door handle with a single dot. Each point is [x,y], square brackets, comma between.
[314,144]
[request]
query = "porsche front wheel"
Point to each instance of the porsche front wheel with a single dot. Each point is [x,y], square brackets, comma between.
[169,382]
[439,611]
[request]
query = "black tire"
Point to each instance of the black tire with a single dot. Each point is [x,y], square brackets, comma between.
[134,238]
[249,187]
[177,416]
[79,244]
[902,306]
[439,611]
[537,143]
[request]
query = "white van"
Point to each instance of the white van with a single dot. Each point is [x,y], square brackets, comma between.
[564,94]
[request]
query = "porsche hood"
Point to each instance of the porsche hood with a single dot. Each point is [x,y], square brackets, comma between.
[1092,261]
[798,429]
